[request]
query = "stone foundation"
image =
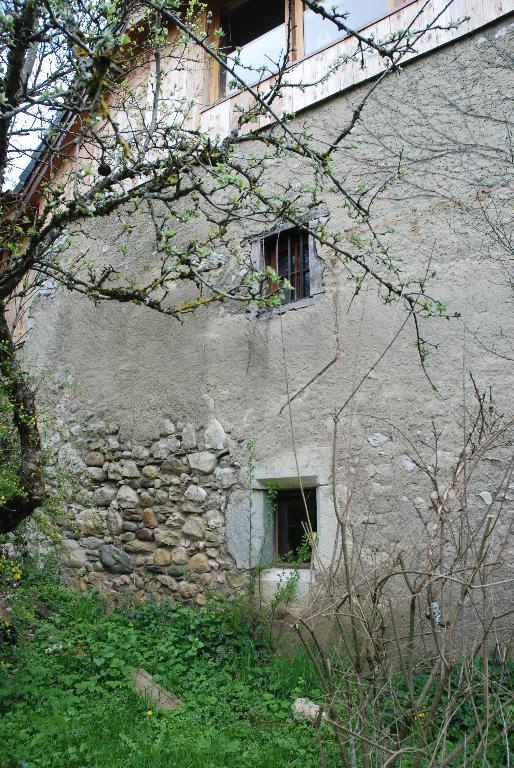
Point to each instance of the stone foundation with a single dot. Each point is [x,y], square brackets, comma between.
[148,518]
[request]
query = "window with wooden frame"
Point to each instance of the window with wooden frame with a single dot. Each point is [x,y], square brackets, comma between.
[256,34]
[254,40]
[295,525]
[287,253]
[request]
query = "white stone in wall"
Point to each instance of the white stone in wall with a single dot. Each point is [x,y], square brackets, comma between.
[214,518]
[162,448]
[150,471]
[127,497]
[167,537]
[97,474]
[195,493]
[486,497]
[214,435]
[226,477]
[179,556]
[114,522]
[90,521]
[189,436]
[407,463]
[105,494]
[129,469]
[113,471]
[203,462]
[194,528]
[70,460]
[168,427]
[377,439]
[140,452]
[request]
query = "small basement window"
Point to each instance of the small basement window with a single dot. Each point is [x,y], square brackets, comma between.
[295,519]
[288,254]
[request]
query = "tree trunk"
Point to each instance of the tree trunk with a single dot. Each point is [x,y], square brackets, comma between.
[30,472]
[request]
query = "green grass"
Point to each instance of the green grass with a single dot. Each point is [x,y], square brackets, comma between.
[65,700]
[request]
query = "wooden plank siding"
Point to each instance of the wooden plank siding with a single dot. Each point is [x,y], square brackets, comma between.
[219,119]
[196,80]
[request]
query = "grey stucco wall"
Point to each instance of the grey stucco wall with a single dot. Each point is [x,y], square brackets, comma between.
[446,114]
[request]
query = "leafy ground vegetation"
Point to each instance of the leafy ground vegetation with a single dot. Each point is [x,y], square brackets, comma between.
[66,700]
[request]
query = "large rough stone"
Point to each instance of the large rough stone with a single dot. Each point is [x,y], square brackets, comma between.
[105,494]
[91,522]
[202,461]
[226,477]
[187,590]
[139,546]
[114,522]
[70,460]
[161,557]
[162,448]
[167,537]
[179,556]
[214,518]
[77,558]
[115,560]
[168,581]
[140,452]
[129,469]
[145,534]
[199,563]
[97,474]
[194,528]
[214,435]
[407,463]
[127,497]
[189,436]
[173,466]
[377,439]
[150,471]
[91,542]
[95,459]
[175,520]
[168,428]
[150,518]
[114,471]
[195,493]
[152,692]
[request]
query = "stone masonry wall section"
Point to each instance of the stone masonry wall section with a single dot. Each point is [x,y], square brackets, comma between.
[148,518]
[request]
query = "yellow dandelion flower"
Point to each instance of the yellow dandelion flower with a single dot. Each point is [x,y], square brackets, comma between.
[149,712]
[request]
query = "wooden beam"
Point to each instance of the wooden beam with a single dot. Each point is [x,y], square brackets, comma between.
[213,74]
[294,18]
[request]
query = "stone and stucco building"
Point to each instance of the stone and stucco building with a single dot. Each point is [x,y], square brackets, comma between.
[173,433]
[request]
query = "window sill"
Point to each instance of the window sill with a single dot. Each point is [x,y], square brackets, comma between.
[253,312]
[275,575]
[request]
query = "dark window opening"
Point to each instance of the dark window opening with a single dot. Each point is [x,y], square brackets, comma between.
[257,28]
[288,254]
[293,525]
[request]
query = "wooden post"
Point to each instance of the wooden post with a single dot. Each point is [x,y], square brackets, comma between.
[294,20]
